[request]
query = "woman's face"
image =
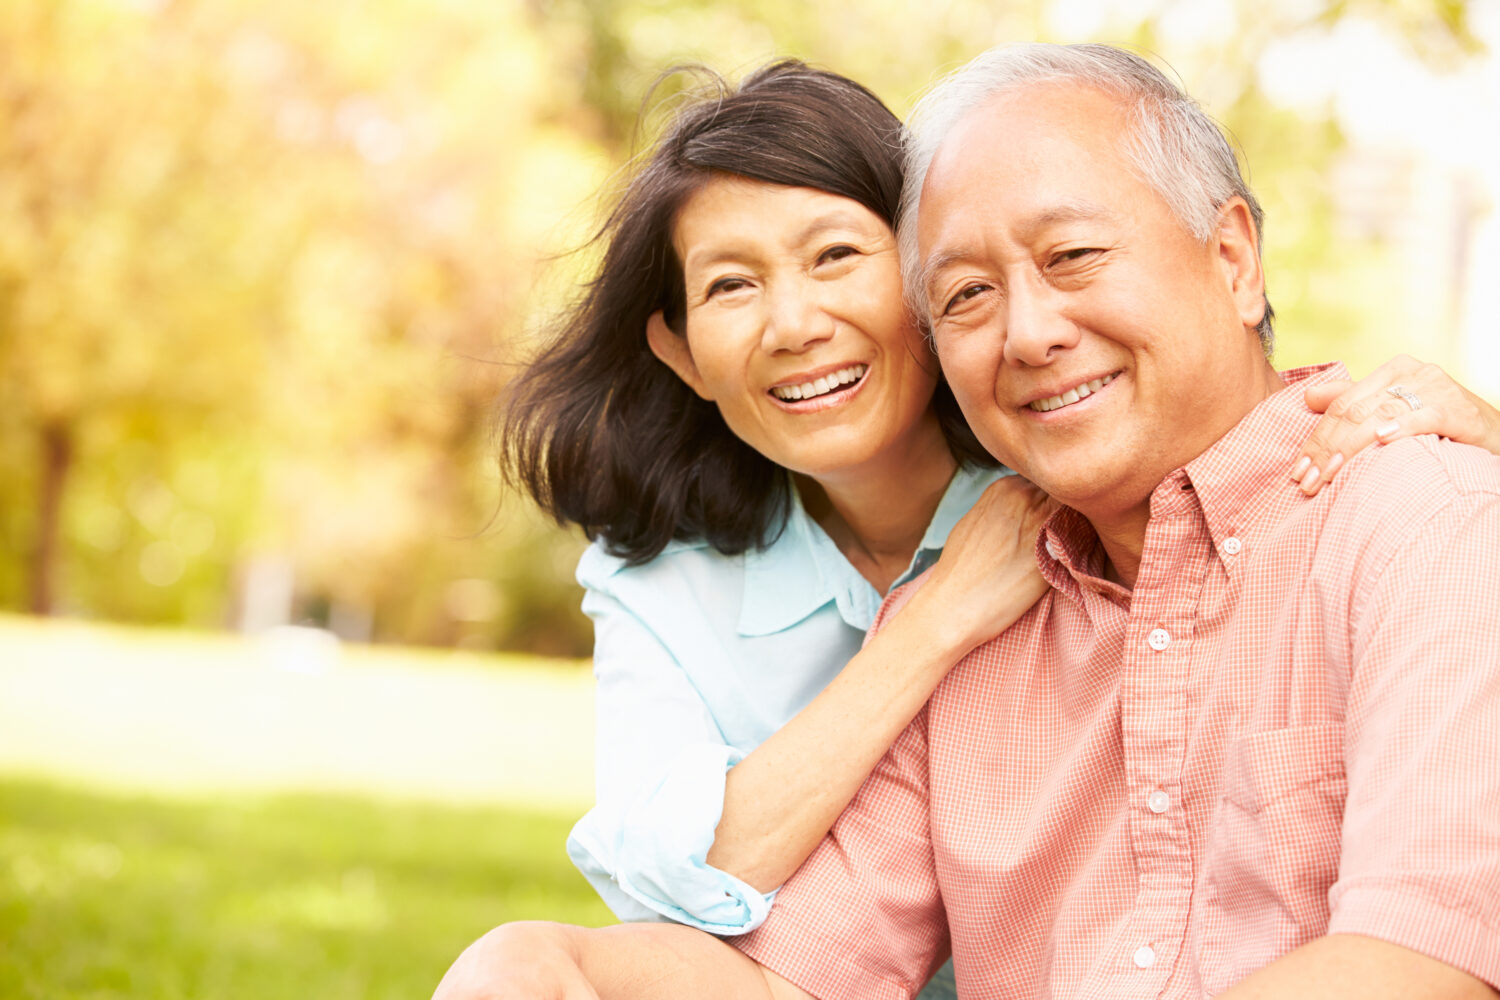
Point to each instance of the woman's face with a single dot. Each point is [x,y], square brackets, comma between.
[797,330]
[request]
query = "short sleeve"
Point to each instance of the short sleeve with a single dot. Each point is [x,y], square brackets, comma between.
[863,917]
[660,762]
[1420,861]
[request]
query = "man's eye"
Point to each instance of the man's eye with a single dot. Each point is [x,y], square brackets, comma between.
[965,294]
[1079,253]
[836,253]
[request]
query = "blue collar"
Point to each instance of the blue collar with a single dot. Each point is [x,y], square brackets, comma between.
[802,570]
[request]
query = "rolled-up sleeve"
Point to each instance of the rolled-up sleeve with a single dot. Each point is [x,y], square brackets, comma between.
[863,916]
[1420,863]
[660,765]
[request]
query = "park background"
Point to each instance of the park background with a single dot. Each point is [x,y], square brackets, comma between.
[293,694]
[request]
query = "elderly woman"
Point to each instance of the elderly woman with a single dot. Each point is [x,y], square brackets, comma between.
[746,419]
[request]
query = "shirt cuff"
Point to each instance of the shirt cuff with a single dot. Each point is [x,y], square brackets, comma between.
[647,857]
[1441,928]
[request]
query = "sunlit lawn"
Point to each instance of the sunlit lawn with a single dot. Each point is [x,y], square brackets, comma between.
[105,896]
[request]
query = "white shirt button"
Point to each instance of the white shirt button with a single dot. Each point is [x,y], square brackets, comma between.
[1053,550]
[1158,801]
[1159,639]
[1144,957]
[1232,546]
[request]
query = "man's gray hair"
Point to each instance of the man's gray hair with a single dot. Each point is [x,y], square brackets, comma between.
[1173,144]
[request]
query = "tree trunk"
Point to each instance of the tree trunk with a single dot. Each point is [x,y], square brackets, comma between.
[57,460]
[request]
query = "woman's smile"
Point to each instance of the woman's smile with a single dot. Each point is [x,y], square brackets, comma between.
[820,389]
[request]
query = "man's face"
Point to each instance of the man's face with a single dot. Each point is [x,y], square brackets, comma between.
[1092,342]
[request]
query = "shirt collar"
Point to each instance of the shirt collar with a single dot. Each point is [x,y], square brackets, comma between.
[1250,466]
[802,570]
[1231,482]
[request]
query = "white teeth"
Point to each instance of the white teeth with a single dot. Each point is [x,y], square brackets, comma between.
[821,385]
[1072,395]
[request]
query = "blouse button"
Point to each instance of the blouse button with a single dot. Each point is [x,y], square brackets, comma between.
[1232,546]
[1158,801]
[1144,956]
[1159,639]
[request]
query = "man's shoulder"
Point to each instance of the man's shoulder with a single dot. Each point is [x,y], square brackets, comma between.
[1395,496]
[1414,475]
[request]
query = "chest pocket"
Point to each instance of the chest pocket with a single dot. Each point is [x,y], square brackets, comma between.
[1272,850]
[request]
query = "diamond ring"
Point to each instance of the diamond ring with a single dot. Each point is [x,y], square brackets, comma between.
[1403,393]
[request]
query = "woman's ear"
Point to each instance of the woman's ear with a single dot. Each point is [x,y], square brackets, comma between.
[672,350]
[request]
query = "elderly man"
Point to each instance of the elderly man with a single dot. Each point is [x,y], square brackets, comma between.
[1249,740]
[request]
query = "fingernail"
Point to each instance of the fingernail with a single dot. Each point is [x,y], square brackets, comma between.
[1310,481]
[1386,430]
[1333,463]
[1301,467]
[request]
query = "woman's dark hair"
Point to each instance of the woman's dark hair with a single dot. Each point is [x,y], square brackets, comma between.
[604,435]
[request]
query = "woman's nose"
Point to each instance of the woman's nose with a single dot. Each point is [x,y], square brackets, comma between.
[795,320]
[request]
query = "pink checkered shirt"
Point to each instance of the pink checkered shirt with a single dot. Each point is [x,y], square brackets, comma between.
[1290,727]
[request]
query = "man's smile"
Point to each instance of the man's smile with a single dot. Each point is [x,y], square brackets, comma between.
[1070,396]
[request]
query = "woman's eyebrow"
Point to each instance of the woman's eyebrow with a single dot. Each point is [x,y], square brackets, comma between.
[836,219]
[736,250]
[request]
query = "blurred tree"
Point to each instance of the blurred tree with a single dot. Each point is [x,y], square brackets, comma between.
[264,266]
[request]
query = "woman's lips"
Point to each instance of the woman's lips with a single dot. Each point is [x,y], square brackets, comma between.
[820,386]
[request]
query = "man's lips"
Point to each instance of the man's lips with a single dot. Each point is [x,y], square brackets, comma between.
[822,385]
[1070,396]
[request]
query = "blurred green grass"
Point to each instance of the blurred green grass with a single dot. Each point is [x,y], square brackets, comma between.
[108,896]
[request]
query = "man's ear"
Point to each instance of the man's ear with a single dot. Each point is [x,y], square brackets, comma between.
[672,350]
[1239,256]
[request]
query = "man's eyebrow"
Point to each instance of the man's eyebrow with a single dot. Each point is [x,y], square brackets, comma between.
[1073,211]
[938,262]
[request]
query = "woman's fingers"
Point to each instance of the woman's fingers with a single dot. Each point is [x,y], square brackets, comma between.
[1357,415]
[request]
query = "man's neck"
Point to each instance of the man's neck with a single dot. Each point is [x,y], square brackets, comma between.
[1124,539]
[1122,530]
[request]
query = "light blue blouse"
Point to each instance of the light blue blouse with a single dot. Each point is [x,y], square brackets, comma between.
[699,657]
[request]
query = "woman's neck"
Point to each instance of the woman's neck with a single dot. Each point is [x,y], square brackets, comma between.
[877,515]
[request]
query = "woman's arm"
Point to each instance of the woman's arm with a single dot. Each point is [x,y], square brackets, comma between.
[660,763]
[782,798]
[1359,414]
[532,960]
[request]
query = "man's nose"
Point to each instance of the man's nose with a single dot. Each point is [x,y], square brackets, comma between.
[1036,329]
[795,319]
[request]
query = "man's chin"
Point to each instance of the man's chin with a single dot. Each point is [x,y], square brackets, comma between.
[1093,492]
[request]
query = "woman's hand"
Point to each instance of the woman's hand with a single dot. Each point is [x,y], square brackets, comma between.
[988,574]
[1358,414]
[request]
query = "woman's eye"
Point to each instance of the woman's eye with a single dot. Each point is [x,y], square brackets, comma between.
[965,294]
[726,285]
[836,253]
